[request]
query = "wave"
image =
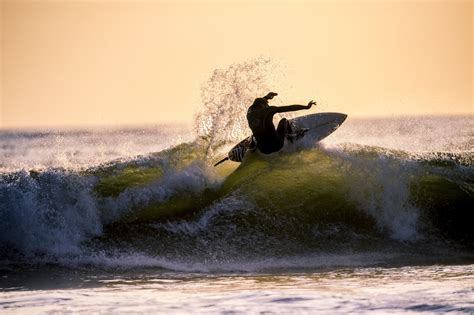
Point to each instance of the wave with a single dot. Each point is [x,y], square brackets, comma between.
[297,202]
[53,211]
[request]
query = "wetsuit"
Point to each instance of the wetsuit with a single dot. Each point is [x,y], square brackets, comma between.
[260,119]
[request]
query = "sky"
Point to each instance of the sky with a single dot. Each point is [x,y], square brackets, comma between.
[106,63]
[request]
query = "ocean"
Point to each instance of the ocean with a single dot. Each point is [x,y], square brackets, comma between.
[376,218]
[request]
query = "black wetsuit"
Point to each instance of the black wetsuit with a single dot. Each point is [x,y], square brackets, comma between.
[260,119]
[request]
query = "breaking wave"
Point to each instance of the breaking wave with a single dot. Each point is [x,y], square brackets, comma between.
[373,189]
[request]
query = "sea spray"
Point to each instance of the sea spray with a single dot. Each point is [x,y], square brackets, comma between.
[226,96]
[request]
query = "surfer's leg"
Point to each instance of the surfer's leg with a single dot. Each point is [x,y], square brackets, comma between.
[284,129]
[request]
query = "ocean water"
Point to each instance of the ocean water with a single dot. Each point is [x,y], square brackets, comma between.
[375,218]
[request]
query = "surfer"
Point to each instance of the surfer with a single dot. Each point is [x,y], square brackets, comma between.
[260,119]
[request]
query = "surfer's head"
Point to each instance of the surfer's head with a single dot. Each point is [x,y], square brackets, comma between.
[260,102]
[263,101]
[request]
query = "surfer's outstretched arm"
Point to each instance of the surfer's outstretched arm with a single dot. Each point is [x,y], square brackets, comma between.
[291,108]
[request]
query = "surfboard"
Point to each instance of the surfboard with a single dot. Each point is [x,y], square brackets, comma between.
[313,127]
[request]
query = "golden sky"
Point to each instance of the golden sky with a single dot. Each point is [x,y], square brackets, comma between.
[77,63]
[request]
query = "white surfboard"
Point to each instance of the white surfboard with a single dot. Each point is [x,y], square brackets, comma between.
[317,127]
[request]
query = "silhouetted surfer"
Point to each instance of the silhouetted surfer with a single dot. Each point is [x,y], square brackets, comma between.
[260,119]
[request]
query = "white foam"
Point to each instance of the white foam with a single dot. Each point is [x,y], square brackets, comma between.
[52,214]
[193,179]
[380,185]
[54,211]
[229,205]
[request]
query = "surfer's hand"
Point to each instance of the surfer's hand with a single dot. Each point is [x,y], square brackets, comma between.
[270,95]
[311,103]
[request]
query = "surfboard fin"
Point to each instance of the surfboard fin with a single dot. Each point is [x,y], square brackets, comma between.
[221,161]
